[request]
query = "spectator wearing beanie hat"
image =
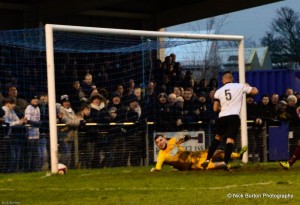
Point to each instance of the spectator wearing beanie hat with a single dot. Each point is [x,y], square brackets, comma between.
[161,113]
[68,133]
[116,109]
[33,115]
[134,111]
[133,114]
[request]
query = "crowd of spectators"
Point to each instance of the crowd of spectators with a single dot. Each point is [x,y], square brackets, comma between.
[274,108]
[172,99]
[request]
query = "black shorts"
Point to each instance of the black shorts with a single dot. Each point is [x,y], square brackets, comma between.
[228,126]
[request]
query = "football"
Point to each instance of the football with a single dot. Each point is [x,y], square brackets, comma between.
[62,169]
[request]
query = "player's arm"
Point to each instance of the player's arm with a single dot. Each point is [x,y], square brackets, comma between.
[217,106]
[253,90]
[159,163]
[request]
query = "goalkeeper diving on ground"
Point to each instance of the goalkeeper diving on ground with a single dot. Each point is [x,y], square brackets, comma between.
[173,154]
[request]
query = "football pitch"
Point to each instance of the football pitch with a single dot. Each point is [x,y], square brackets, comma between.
[261,183]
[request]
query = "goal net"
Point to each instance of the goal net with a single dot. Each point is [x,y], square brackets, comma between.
[126,72]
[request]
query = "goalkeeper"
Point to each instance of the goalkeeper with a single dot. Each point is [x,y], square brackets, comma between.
[172,153]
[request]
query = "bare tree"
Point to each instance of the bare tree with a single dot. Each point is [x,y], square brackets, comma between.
[283,39]
[209,52]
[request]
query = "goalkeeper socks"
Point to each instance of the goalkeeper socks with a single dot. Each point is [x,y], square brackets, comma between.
[235,155]
[295,156]
[212,148]
[228,151]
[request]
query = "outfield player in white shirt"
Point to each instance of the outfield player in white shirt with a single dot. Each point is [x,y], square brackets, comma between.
[228,100]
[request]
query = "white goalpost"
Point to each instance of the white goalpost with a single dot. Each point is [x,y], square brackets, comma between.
[50,29]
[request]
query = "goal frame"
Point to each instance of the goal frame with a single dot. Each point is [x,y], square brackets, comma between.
[50,28]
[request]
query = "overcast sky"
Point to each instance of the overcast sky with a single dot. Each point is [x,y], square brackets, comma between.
[251,23]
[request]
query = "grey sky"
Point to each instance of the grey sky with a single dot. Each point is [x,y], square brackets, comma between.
[252,23]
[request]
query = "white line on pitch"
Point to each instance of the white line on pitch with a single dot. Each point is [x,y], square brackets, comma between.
[147,188]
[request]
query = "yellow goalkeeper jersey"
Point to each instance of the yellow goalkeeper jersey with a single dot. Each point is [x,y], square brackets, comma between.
[176,156]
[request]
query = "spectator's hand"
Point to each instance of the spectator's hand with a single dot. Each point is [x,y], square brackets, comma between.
[22,121]
[84,99]
[25,120]
[258,121]
[179,122]
[197,112]
[60,115]
[80,117]
[298,111]
[113,115]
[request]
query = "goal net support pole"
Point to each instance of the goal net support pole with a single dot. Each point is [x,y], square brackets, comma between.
[50,28]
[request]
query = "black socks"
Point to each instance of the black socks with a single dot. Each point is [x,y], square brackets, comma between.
[212,148]
[228,151]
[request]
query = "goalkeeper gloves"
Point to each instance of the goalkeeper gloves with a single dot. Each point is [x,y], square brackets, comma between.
[187,137]
[153,169]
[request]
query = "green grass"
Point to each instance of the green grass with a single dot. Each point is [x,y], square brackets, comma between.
[136,185]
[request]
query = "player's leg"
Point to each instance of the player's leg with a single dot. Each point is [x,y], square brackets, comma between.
[242,151]
[220,130]
[233,125]
[228,149]
[219,154]
[214,165]
[293,159]
[212,148]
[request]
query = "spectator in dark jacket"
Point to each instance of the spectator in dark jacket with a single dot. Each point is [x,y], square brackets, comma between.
[274,105]
[174,113]
[189,108]
[87,85]
[134,140]
[99,114]
[77,96]
[133,110]
[283,115]
[264,109]
[252,110]
[161,114]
